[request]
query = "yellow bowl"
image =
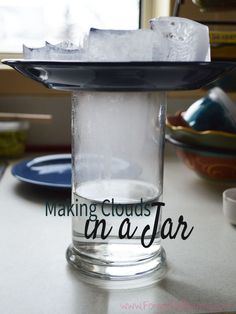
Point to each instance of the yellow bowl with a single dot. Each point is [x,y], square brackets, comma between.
[178,129]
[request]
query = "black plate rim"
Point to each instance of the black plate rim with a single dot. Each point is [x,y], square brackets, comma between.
[121,63]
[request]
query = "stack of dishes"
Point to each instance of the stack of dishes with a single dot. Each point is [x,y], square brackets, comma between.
[205,136]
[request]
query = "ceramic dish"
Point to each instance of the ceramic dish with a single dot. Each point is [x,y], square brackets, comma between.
[121,76]
[216,111]
[52,171]
[178,129]
[213,165]
[55,170]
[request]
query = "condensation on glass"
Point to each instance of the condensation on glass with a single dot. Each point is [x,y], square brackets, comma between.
[118,144]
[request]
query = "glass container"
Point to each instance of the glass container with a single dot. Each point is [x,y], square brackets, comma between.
[118,144]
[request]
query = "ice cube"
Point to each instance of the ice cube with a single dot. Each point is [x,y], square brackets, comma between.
[65,50]
[120,45]
[160,47]
[62,51]
[35,53]
[187,40]
[66,45]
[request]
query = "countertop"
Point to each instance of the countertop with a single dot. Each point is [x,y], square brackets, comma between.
[35,277]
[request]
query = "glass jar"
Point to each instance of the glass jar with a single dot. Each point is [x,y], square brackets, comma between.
[117,158]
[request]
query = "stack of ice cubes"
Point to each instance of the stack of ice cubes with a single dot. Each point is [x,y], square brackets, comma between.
[169,39]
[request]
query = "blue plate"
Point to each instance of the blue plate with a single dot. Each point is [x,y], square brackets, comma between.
[55,170]
[51,171]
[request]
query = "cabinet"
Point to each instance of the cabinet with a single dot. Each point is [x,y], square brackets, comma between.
[220,17]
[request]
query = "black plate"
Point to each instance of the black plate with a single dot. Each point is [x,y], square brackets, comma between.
[122,76]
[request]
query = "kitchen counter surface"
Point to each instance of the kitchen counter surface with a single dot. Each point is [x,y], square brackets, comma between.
[35,277]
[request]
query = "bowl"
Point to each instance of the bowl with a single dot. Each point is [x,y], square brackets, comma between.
[215,4]
[214,165]
[215,112]
[13,138]
[178,129]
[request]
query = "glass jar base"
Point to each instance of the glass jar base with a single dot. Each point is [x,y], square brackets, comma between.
[117,271]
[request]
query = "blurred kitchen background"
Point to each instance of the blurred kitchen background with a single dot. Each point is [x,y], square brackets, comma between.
[33,22]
